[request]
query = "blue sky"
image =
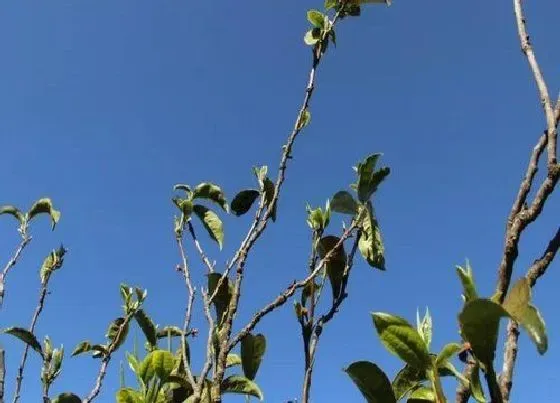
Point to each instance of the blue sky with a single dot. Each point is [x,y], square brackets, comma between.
[105,105]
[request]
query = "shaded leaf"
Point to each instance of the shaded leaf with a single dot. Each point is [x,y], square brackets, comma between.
[211,192]
[26,336]
[67,397]
[401,339]
[223,296]
[243,201]
[370,243]
[185,205]
[337,263]
[371,381]
[479,320]
[517,304]
[268,195]
[312,36]
[343,202]
[241,385]
[406,380]
[147,325]
[253,348]
[44,206]
[83,347]
[211,222]
[13,211]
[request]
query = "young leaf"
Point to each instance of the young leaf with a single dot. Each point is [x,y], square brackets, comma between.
[241,385]
[253,348]
[243,201]
[312,36]
[517,304]
[223,296]
[184,188]
[371,381]
[211,192]
[44,206]
[370,243]
[67,397]
[316,18]
[185,205]
[304,119]
[467,280]
[52,262]
[83,347]
[330,4]
[424,328]
[211,222]
[129,395]
[26,336]
[147,325]
[260,173]
[336,264]
[233,360]
[368,178]
[479,322]
[343,202]
[268,195]
[448,351]
[401,339]
[13,211]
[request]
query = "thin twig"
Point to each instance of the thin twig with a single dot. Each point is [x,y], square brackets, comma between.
[199,387]
[262,224]
[538,268]
[188,310]
[2,373]
[198,247]
[38,310]
[323,320]
[11,263]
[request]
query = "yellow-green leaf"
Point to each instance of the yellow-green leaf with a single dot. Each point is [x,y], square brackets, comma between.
[44,206]
[211,222]
[241,385]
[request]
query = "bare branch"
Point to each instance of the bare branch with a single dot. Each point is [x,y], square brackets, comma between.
[188,311]
[38,310]
[198,247]
[540,265]
[11,263]
[198,388]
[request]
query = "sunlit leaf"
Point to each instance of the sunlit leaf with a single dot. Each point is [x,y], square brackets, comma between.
[211,222]
[147,325]
[370,243]
[316,18]
[158,363]
[448,351]
[233,360]
[13,211]
[467,280]
[44,206]
[211,192]
[26,336]
[401,339]
[241,385]
[129,395]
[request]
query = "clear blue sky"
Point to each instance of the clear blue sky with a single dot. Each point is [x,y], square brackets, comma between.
[104,105]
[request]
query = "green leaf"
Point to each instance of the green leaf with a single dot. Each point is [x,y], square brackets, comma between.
[147,325]
[406,380]
[401,339]
[241,385]
[476,387]
[223,296]
[243,201]
[185,205]
[13,211]
[479,322]
[371,381]
[467,280]
[211,222]
[52,262]
[316,18]
[67,397]
[517,304]
[448,351]
[44,206]
[83,347]
[368,178]
[268,195]
[260,173]
[330,4]
[233,360]
[370,243]
[173,331]
[424,327]
[117,332]
[158,363]
[422,395]
[253,348]
[184,188]
[211,192]
[129,395]
[343,202]
[312,36]
[26,336]
[336,264]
